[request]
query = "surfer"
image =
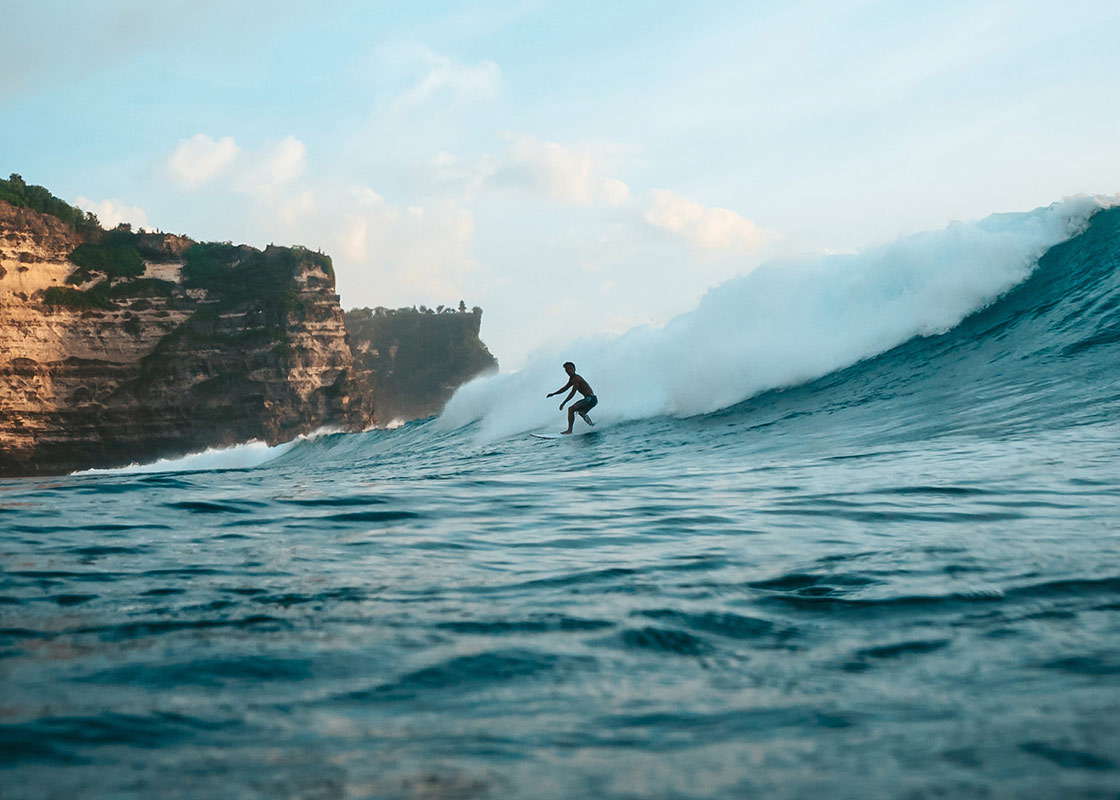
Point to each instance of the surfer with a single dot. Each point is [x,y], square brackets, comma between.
[581,407]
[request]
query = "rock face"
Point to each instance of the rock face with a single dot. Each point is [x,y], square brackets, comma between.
[118,347]
[417,358]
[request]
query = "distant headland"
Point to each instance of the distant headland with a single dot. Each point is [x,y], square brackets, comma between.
[121,346]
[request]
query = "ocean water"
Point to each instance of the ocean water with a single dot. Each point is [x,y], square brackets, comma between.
[849,529]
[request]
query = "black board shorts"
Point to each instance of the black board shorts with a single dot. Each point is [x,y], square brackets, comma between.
[586,404]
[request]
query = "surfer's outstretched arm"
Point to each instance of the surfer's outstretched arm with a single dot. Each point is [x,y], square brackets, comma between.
[569,384]
[571,394]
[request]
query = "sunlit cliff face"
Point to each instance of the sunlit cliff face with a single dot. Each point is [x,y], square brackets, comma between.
[108,370]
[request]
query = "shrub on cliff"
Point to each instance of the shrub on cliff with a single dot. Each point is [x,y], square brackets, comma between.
[37,198]
[320,260]
[76,299]
[143,287]
[241,275]
[115,260]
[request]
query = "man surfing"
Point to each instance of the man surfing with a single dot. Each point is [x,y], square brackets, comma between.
[576,383]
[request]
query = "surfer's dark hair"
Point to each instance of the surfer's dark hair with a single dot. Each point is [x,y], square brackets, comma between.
[568,364]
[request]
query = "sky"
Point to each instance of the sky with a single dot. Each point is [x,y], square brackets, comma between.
[573,168]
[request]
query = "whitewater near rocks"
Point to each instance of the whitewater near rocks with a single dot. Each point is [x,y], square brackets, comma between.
[847,529]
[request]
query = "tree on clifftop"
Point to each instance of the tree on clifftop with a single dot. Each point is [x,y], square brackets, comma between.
[16,191]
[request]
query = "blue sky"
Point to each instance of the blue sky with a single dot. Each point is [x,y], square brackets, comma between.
[571,167]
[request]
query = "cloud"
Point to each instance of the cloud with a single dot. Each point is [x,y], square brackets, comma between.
[446,79]
[112,212]
[267,171]
[615,192]
[385,253]
[394,254]
[446,174]
[388,253]
[199,159]
[418,244]
[564,174]
[291,210]
[715,230]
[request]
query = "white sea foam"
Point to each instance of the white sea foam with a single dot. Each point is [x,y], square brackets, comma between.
[242,456]
[781,325]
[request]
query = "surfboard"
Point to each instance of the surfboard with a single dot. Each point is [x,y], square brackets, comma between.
[561,435]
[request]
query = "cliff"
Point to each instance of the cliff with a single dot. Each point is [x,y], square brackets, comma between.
[117,347]
[417,358]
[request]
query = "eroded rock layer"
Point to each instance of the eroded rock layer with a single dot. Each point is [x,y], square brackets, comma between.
[118,347]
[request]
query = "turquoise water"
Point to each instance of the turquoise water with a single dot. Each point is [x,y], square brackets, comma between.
[901,579]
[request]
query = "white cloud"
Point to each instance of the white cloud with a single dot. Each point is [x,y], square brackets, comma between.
[291,210]
[275,166]
[565,174]
[615,192]
[716,230]
[447,174]
[447,79]
[418,244]
[112,212]
[352,234]
[420,255]
[202,159]
[199,159]
[386,254]
[352,237]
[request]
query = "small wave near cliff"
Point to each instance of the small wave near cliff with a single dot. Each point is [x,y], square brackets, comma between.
[784,324]
[242,456]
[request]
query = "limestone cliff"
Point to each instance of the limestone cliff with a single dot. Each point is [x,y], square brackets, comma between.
[118,347]
[417,358]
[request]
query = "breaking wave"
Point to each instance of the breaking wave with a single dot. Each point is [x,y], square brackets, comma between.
[783,324]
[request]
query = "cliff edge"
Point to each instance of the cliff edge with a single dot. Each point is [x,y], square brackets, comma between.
[119,347]
[417,358]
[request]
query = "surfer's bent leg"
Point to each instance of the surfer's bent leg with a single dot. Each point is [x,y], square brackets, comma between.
[585,405]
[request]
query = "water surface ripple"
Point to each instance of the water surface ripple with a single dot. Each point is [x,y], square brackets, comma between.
[900,580]
[940,617]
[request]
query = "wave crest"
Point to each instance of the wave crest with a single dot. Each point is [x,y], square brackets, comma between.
[783,324]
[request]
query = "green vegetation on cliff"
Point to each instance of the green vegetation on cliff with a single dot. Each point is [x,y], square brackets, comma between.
[120,253]
[113,259]
[242,274]
[78,300]
[205,344]
[102,295]
[38,198]
[143,287]
[228,339]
